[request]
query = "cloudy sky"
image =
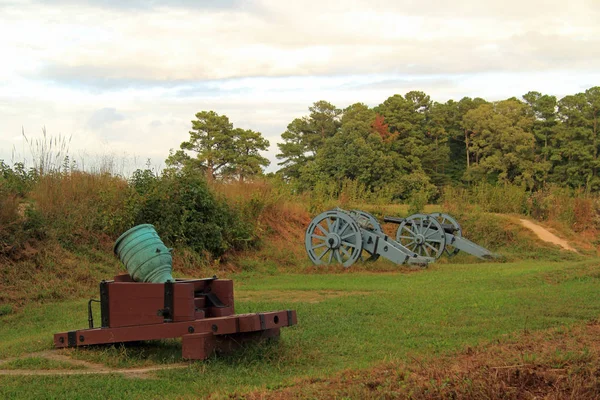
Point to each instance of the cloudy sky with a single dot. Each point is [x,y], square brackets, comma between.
[123,79]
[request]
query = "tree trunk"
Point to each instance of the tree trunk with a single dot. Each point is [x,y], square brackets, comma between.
[209,170]
[467,147]
[595,142]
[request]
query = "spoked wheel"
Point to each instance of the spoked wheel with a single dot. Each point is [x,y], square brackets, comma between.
[422,234]
[369,222]
[446,221]
[333,236]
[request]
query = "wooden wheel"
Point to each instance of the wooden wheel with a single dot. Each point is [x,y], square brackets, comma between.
[369,222]
[422,234]
[448,222]
[333,236]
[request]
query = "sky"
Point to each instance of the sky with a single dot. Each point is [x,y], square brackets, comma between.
[119,82]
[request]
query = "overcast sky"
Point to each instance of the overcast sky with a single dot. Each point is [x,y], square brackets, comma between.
[124,78]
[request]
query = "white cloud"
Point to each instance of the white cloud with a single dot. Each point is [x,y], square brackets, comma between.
[262,63]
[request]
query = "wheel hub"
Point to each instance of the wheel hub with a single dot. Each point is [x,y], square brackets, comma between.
[333,240]
[419,239]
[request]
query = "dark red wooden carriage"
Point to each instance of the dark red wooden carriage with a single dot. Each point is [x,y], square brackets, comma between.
[200,311]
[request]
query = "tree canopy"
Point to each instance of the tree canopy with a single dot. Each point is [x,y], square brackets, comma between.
[409,141]
[219,149]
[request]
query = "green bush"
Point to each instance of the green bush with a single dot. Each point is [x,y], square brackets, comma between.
[185,212]
[417,202]
[17,180]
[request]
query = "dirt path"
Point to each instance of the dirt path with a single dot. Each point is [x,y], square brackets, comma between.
[130,372]
[546,235]
[89,368]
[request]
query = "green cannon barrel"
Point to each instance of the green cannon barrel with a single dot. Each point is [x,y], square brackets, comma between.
[145,256]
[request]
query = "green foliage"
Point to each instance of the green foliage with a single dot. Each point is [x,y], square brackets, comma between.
[305,136]
[247,162]
[19,223]
[543,108]
[533,142]
[17,180]
[355,153]
[185,212]
[220,150]
[503,143]
[576,142]
[417,203]
[415,184]
[506,198]
[80,209]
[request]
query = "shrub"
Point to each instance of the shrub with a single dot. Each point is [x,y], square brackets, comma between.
[17,180]
[184,211]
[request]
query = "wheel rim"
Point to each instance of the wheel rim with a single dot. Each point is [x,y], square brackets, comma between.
[367,221]
[423,235]
[445,219]
[333,236]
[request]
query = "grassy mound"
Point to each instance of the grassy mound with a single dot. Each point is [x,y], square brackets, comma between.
[57,230]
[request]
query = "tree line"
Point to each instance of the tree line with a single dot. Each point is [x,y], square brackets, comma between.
[410,143]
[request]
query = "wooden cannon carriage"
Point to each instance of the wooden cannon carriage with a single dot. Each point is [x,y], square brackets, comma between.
[200,311]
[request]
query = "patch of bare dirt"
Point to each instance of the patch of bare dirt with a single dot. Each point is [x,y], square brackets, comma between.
[546,235]
[553,364]
[89,368]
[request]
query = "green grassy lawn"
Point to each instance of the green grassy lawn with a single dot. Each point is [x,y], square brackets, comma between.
[349,320]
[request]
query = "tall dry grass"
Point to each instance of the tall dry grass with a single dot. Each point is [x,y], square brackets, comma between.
[48,153]
[578,210]
[272,210]
[83,206]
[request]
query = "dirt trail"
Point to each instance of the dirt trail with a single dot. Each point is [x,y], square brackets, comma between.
[546,235]
[133,372]
[89,367]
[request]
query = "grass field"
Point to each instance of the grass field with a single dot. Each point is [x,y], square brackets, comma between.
[352,320]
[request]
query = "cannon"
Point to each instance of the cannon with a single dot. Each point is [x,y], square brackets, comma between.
[347,236]
[436,234]
[148,304]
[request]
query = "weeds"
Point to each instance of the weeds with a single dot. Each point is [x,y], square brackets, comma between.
[575,209]
[49,153]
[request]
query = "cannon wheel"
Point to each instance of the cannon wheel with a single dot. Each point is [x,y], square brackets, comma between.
[445,219]
[422,234]
[333,236]
[367,221]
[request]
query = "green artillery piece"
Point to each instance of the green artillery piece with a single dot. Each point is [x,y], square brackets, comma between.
[347,236]
[432,235]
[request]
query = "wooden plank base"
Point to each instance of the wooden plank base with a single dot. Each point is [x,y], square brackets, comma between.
[200,346]
[200,338]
